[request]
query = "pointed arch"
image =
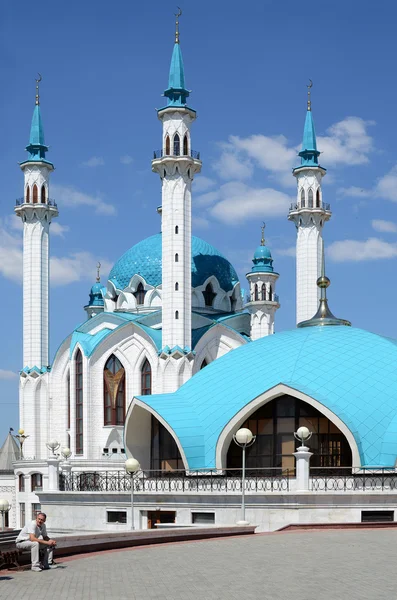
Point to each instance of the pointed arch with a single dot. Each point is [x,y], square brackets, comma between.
[177,145]
[176,229]
[113,392]
[140,294]
[270,292]
[303,198]
[185,145]
[167,146]
[79,402]
[203,364]
[35,193]
[28,194]
[146,378]
[176,286]
[209,295]
[310,198]
[318,201]
[177,314]
[263,291]
[176,257]
[43,199]
[256,292]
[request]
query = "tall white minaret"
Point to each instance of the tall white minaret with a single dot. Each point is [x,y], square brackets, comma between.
[263,301]
[36,211]
[176,163]
[309,215]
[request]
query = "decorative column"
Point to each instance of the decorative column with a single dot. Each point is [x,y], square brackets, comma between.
[309,215]
[302,458]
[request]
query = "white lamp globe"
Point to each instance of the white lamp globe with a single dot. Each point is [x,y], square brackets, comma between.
[53,444]
[132,465]
[4,505]
[66,452]
[244,436]
[303,433]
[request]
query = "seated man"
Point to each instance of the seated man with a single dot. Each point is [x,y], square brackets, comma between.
[33,536]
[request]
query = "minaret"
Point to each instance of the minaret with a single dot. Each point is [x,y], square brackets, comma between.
[309,215]
[96,302]
[176,163]
[36,211]
[263,299]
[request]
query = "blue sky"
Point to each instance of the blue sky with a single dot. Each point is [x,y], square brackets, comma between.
[104,67]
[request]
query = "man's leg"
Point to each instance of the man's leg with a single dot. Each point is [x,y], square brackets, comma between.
[47,552]
[34,552]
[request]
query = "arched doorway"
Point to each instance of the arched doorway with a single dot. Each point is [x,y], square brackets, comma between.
[274,424]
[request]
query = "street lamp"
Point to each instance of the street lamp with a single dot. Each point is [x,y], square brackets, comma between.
[243,438]
[4,508]
[132,466]
[53,445]
[303,434]
[21,437]
[66,453]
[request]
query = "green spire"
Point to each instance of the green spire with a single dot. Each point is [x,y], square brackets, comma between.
[176,91]
[309,153]
[36,147]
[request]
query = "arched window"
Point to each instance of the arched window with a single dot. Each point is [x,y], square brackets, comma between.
[176,229]
[176,257]
[203,364]
[310,198]
[256,292]
[21,482]
[177,145]
[185,146]
[303,198]
[263,291]
[167,146]
[35,194]
[146,378]
[176,286]
[79,403]
[270,293]
[209,295]
[68,385]
[36,482]
[164,452]
[140,294]
[42,194]
[28,194]
[318,198]
[114,392]
[177,314]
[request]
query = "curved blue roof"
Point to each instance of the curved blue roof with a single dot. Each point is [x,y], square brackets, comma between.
[145,259]
[350,371]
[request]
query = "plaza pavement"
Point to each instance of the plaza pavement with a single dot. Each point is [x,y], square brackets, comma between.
[307,565]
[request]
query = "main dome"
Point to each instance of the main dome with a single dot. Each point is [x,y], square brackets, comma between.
[145,259]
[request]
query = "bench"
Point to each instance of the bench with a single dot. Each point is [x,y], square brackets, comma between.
[9,553]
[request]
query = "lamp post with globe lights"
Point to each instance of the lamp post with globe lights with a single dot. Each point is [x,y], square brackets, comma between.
[21,437]
[4,508]
[243,438]
[66,453]
[53,445]
[132,466]
[302,457]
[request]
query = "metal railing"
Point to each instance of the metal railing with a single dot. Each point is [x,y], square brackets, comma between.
[274,298]
[323,206]
[160,153]
[205,481]
[49,202]
[348,479]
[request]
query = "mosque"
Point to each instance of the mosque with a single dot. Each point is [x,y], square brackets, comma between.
[171,361]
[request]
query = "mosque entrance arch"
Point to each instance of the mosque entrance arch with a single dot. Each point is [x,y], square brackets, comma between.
[274,424]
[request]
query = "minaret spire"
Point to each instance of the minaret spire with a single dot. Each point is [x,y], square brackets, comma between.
[98,276]
[177,15]
[309,87]
[263,234]
[37,89]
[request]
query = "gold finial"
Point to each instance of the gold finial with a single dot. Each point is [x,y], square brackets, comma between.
[263,233]
[37,89]
[309,103]
[178,14]
[98,277]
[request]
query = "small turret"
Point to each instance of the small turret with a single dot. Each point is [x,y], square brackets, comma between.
[263,301]
[96,302]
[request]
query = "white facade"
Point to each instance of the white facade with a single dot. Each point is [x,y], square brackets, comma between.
[309,215]
[263,303]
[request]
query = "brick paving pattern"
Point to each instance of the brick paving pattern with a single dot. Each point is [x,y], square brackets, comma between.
[318,565]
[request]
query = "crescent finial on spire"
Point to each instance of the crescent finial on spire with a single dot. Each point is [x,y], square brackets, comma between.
[37,89]
[98,267]
[177,15]
[263,233]
[309,103]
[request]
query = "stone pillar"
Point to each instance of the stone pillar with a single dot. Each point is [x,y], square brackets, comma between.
[53,474]
[302,456]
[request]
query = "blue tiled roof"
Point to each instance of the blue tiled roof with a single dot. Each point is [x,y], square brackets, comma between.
[145,259]
[350,371]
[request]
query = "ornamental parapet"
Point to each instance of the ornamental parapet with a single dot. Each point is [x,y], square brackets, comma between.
[326,207]
[162,154]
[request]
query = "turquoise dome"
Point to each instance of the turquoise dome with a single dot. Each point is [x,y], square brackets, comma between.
[145,259]
[350,371]
[263,262]
[262,252]
[96,297]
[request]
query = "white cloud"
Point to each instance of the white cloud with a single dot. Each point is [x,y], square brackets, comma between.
[386,187]
[202,183]
[232,165]
[206,199]
[361,250]
[94,161]
[4,374]
[126,159]
[384,226]
[57,229]
[347,142]
[70,196]
[63,270]
[200,222]
[240,202]
[270,153]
